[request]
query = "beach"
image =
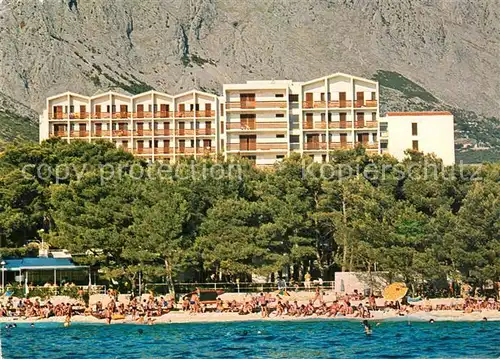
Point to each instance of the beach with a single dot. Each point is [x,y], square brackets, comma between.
[179,317]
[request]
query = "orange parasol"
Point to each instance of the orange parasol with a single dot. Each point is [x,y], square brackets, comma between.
[395,291]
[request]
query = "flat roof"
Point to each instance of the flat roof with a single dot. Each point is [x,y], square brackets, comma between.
[422,113]
[15,264]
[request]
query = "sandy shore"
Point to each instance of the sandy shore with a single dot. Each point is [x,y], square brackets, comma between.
[181,317]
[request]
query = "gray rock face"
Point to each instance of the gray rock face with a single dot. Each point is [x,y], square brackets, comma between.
[450,47]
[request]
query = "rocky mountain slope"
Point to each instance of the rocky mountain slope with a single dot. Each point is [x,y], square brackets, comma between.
[450,48]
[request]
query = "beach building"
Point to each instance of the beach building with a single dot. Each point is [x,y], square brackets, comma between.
[264,121]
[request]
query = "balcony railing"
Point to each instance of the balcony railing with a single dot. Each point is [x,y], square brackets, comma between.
[365,103]
[78,115]
[58,116]
[367,145]
[365,124]
[102,133]
[144,151]
[340,124]
[205,113]
[79,133]
[184,132]
[100,115]
[315,146]
[205,131]
[143,133]
[164,114]
[322,104]
[339,104]
[59,134]
[256,126]
[121,114]
[184,150]
[314,125]
[163,150]
[256,105]
[164,132]
[205,150]
[121,133]
[339,145]
[259,146]
[184,114]
[142,114]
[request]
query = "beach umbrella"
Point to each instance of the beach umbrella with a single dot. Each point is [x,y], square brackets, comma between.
[395,291]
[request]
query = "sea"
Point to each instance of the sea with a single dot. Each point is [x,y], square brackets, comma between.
[259,339]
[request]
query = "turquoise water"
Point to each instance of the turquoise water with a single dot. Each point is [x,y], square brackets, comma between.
[304,339]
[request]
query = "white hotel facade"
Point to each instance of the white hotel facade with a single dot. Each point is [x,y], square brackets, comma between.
[261,120]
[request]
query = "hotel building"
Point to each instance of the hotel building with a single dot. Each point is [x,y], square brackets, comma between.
[261,120]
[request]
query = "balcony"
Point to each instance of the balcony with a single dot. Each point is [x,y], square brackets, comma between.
[164,132]
[59,134]
[205,131]
[339,104]
[58,116]
[315,146]
[340,124]
[206,113]
[79,133]
[99,115]
[121,133]
[365,103]
[205,150]
[368,145]
[322,104]
[164,114]
[78,115]
[259,146]
[144,151]
[184,150]
[142,114]
[256,126]
[314,125]
[101,133]
[162,150]
[184,114]
[123,115]
[365,124]
[256,105]
[340,145]
[184,132]
[143,133]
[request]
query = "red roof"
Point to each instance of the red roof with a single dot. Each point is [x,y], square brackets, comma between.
[423,113]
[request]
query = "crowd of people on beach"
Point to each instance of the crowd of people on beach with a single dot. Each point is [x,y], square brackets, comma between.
[146,309]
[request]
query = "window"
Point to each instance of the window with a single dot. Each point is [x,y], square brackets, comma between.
[280,157]
[293,98]
[322,96]
[383,145]
[280,115]
[279,95]
[374,96]
[374,116]
[280,136]
[71,109]
[414,129]
[222,109]
[415,145]
[294,138]
[374,137]
[323,158]
[322,117]
[383,126]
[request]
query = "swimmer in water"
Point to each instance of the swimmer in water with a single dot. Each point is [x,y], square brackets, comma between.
[431,321]
[140,331]
[485,319]
[368,327]
[32,325]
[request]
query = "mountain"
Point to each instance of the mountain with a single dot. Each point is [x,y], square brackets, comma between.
[449,50]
